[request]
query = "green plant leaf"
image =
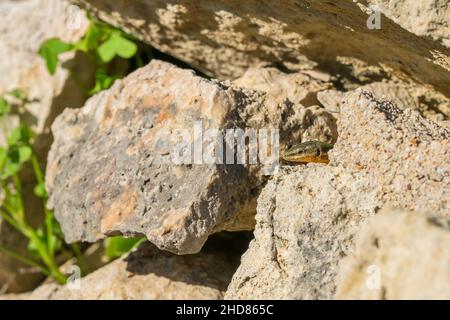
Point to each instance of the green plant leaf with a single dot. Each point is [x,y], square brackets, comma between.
[10,169]
[39,190]
[3,156]
[18,94]
[4,107]
[107,51]
[33,246]
[116,45]
[19,135]
[103,81]
[115,247]
[125,48]
[91,39]
[25,153]
[50,50]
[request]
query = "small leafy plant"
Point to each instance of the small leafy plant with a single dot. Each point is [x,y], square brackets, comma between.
[44,242]
[117,246]
[102,43]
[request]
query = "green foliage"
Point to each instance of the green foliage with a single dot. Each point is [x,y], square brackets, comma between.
[50,50]
[117,246]
[102,43]
[43,242]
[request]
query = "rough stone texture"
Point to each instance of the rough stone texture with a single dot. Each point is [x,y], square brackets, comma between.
[398,255]
[406,155]
[424,18]
[431,104]
[23,27]
[308,215]
[224,38]
[297,91]
[110,170]
[149,274]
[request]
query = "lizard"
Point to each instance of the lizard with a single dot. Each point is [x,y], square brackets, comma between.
[311,151]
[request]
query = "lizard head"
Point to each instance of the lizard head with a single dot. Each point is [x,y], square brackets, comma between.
[311,151]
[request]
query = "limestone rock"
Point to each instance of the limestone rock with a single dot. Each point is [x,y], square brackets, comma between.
[111,168]
[431,104]
[224,39]
[406,155]
[425,18]
[149,274]
[307,216]
[297,91]
[398,255]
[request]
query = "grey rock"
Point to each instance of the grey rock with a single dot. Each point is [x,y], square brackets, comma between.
[110,169]
[307,216]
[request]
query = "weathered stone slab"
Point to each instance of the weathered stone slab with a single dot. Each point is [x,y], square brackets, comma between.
[224,39]
[308,216]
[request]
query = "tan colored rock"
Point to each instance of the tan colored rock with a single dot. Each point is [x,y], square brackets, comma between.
[406,155]
[23,27]
[307,216]
[150,274]
[425,18]
[111,169]
[298,92]
[224,39]
[431,104]
[398,255]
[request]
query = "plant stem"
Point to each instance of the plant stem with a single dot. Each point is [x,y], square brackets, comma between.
[80,259]
[48,259]
[24,259]
[10,220]
[48,215]
[18,186]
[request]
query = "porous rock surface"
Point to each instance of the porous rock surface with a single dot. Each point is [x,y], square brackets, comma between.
[430,104]
[425,18]
[110,169]
[308,216]
[398,255]
[225,38]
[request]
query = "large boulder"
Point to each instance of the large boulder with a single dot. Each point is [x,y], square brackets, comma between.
[112,170]
[308,216]
[225,38]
